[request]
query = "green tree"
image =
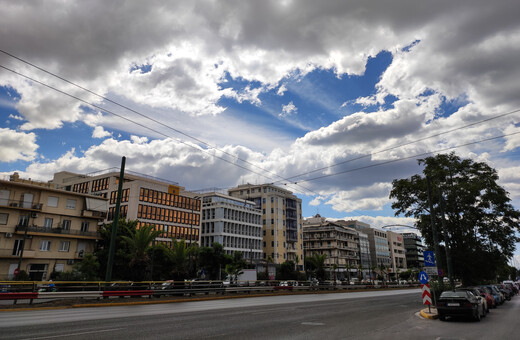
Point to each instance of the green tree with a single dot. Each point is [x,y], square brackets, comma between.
[315,266]
[212,261]
[179,258]
[123,253]
[160,262]
[139,243]
[236,266]
[480,220]
[286,271]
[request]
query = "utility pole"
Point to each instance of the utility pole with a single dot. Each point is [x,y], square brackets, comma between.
[434,227]
[111,252]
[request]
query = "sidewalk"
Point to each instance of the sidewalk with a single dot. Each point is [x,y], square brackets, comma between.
[429,314]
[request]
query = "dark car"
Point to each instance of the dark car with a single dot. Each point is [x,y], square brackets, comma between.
[459,303]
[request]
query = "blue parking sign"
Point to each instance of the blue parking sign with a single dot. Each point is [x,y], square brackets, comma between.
[429,258]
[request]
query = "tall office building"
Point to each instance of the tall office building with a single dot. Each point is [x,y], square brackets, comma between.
[234,223]
[151,201]
[397,253]
[379,249]
[414,251]
[281,220]
[44,229]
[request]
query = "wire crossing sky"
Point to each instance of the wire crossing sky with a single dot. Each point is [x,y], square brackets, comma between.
[340,98]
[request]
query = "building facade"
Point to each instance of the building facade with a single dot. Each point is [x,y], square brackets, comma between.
[414,251]
[161,204]
[379,248]
[281,221]
[397,253]
[234,223]
[339,243]
[43,229]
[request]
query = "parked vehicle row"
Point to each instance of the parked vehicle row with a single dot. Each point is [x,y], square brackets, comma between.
[474,302]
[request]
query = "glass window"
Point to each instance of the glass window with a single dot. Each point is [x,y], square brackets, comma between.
[52,201]
[4,218]
[45,245]
[47,223]
[71,204]
[4,197]
[84,226]
[66,224]
[18,246]
[64,246]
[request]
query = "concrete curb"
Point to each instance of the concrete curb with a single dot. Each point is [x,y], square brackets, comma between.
[427,315]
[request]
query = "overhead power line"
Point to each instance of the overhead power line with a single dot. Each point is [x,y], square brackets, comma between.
[140,114]
[409,157]
[402,145]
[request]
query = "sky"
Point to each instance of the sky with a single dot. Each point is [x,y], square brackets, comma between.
[315,96]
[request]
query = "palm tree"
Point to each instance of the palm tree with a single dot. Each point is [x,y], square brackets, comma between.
[179,256]
[268,260]
[139,243]
[360,271]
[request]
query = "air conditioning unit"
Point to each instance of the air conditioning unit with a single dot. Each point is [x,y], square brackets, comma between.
[8,235]
[34,215]
[71,261]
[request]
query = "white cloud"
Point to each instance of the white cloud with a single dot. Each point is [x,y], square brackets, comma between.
[16,117]
[99,132]
[288,110]
[17,146]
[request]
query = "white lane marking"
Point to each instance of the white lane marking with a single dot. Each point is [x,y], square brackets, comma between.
[73,334]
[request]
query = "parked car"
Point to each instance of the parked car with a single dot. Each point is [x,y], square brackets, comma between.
[490,299]
[459,303]
[482,300]
[499,298]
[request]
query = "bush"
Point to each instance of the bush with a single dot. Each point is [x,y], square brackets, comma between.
[22,276]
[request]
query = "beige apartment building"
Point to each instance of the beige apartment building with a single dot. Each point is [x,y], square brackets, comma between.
[339,243]
[281,221]
[397,253]
[43,229]
[151,201]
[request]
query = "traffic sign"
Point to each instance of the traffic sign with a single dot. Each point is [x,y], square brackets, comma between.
[429,258]
[432,271]
[423,278]
[426,295]
[16,271]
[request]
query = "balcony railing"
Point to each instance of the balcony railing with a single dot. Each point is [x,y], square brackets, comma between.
[9,253]
[38,229]
[20,204]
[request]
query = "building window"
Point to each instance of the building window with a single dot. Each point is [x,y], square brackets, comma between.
[18,246]
[47,223]
[66,225]
[4,218]
[23,220]
[84,226]
[45,245]
[52,201]
[272,231]
[64,246]
[71,204]
[272,243]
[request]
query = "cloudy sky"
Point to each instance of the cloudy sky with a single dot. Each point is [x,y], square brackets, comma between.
[315,96]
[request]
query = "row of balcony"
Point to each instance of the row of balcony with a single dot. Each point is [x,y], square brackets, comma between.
[30,254]
[47,230]
[20,204]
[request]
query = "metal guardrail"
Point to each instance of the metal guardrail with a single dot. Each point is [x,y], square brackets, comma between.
[12,290]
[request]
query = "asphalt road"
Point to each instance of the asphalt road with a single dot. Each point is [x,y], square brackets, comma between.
[366,315]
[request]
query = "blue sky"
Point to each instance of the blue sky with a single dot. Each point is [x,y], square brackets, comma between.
[298,86]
